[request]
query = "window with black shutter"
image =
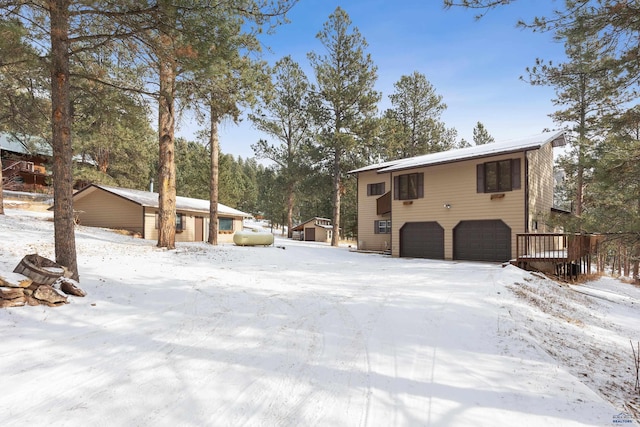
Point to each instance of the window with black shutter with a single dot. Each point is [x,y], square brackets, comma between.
[376,189]
[409,186]
[499,176]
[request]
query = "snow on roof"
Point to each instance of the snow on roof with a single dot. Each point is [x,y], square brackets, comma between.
[32,145]
[376,166]
[147,198]
[490,149]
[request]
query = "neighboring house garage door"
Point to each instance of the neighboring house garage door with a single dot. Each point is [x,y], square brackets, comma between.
[422,240]
[488,240]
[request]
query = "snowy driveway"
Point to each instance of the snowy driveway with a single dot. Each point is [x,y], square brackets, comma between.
[306,336]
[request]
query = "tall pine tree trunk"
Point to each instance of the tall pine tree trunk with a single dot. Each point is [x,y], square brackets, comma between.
[1,190]
[167,166]
[582,138]
[335,238]
[291,198]
[213,184]
[63,220]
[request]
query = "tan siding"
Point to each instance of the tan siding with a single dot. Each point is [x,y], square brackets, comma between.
[367,239]
[455,184]
[540,187]
[150,230]
[188,235]
[101,209]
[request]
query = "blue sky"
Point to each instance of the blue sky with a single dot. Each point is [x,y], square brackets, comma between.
[475,65]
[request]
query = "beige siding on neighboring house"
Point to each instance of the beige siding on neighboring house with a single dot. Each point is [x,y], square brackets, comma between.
[322,234]
[541,186]
[150,230]
[189,232]
[102,209]
[368,240]
[454,184]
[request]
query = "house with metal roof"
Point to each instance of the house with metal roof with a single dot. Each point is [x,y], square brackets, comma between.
[137,211]
[463,204]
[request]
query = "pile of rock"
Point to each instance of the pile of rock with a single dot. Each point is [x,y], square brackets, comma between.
[37,281]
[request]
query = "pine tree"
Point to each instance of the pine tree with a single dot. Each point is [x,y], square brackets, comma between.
[23,110]
[588,87]
[481,136]
[285,115]
[346,101]
[413,126]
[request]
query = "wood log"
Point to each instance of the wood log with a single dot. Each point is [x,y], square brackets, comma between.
[11,293]
[48,295]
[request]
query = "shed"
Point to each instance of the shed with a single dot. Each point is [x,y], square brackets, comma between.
[314,230]
[137,211]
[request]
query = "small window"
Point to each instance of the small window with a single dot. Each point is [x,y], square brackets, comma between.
[382,226]
[409,186]
[375,189]
[180,225]
[225,224]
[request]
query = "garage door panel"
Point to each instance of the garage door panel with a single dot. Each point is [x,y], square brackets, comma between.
[482,240]
[422,240]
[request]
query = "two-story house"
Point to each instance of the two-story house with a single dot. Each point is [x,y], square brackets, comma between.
[463,204]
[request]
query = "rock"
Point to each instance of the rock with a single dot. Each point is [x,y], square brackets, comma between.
[48,295]
[14,280]
[69,287]
[11,293]
[17,302]
[31,300]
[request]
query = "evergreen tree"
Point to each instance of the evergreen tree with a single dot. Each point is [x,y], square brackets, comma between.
[284,114]
[271,201]
[481,136]
[588,87]
[413,125]
[346,101]
[614,202]
[192,169]
[23,111]
[228,80]
[112,130]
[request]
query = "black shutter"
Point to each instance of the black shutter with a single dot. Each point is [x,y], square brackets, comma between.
[375,227]
[368,189]
[480,178]
[420,185]
[515,174]
[396,187]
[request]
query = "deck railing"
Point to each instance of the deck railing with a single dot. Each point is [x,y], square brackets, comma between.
[570,253]
[554,246]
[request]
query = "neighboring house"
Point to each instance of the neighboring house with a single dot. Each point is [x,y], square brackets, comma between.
[24,165]
[314,230]
[137,211]
[464,204]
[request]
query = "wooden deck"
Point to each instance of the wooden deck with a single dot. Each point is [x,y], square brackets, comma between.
[568,255]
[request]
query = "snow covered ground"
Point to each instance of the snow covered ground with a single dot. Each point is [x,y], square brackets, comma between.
[309,335]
